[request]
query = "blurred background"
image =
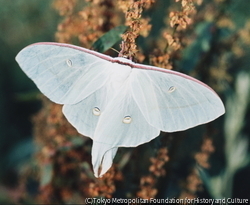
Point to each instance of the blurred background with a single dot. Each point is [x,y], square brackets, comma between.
[44,160]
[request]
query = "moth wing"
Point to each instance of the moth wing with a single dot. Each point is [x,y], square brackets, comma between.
[84,118]
[171,101]
[122,124]
[85,114]
[66,74]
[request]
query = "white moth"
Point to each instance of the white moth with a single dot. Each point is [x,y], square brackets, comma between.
[114,101]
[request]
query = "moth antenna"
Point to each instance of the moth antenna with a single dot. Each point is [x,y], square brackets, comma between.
[115,50]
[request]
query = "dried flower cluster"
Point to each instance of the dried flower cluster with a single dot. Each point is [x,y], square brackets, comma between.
[182,18]
[244,34]
[207,149]
[65,7]
[193,183]
[87,23]
[191,186]
[179,20]
[137,25]
[160,59]
[105,187]
[52,130]
[148,183]
[171,41]
[158,162]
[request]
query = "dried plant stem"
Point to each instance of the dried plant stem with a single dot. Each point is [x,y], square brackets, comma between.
[137,25]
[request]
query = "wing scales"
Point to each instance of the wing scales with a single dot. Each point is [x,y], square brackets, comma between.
[47,66]
[111,132]
[190,104]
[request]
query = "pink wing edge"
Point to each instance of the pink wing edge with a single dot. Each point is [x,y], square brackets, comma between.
[131,64]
